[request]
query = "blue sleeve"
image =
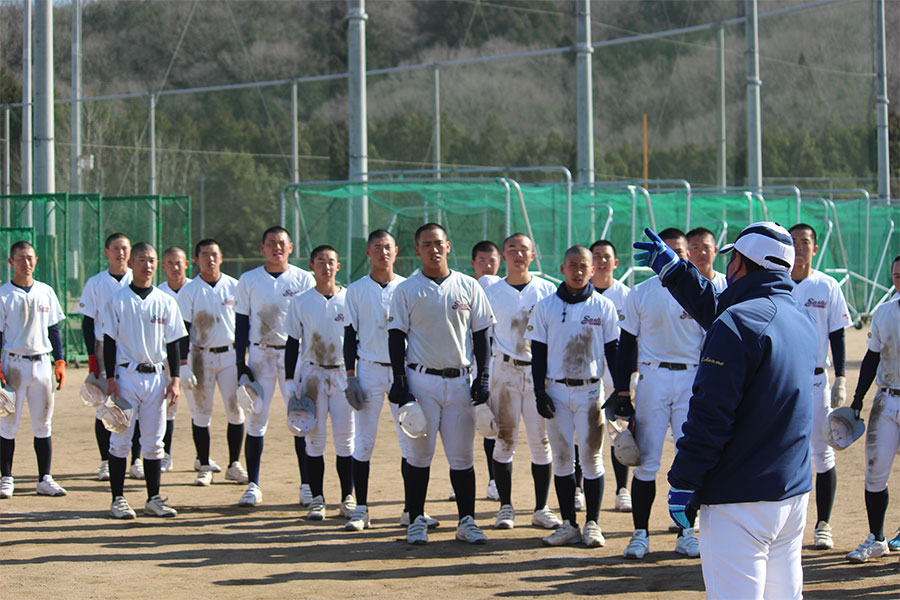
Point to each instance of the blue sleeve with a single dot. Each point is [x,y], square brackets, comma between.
[539,365]
[241,337]
[291,354]
[87,332]
[351,347]
[838,352]
[55,341]
[184,344]
[481,348]
[867,372]
[109,356]
[694,292]
[626,361]
[397,351]
[173,354]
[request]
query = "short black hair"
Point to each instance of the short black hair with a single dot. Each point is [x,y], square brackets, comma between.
[698,231]
[204,243]
[672,233]
[321,248]
[275,229]
[115,236]
[576,249]
[142,247]
[172,249]
[896,260]
[802,227]
[749,265]
[377,235]
[517,235]
[20,245]
[604,243]
[429,227]
[484,246]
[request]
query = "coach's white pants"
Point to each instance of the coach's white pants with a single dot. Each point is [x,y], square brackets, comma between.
[752,550]
[267,365]
[512,397]
[577,412]
[661,401]
[32,381]
[447,405]
[822,453]
[211,369]
[326,388]
[882,440]
[146,393]
[375,381]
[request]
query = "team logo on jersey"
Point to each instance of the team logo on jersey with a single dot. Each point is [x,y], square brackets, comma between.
[339,318]
[290,293]
[591,320]
[530,328]
[460,305]
[228,302]
[684,316]
[158,320]
[81,304]
[815,303]
[42,309]
[390,319]
[713,361]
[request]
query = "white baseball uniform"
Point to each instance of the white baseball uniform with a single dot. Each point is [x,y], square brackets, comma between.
[186,393]
[512,391]
[575,335]
[141,329]
[439,321]
[822,297]
[319,323]
[368,304]
[487,281]
[265,299]
[210,311]
[165,287]
[617,292]
[27,365]
[97,291]
[669,343]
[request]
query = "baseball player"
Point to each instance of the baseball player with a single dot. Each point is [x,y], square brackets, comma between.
[318,317]
[207,305]
[512,392]
[605,262]
[880,364]
[175,265]
[262,300]
[142,327]
[367,360]
[822,297]
[432,315]
[97,291]
[668,341]
[486,262]
[570,332]
[29,329]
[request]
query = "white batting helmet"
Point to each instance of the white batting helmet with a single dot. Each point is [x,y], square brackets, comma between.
[116,414]
[93,391]
[249,395]
[301,417]
[626,449]
[485,423]
[7,401]
[412,419]
[843,428]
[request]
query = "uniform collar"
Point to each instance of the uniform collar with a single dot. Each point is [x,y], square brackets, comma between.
[569,298]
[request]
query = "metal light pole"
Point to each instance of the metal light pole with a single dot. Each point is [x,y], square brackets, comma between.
[358,221]
[754,128]
[881,105]
[584,93]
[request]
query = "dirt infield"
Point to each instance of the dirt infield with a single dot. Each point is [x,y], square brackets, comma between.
[68,548]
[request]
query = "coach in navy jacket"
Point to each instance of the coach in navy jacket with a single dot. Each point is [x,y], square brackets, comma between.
[744,454]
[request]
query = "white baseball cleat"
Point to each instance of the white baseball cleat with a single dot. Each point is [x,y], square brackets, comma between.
[417,532]
[467,531]
[7,486]
[579,499]
[506,518]
[639,545]
[137,469]
[592,536]
[103,471]
[316,509]
[822,536]
[431,521]
[566,535]
[252,496]
[119,509]
[235,472]
[165,464]
[348,506]
[545,519]
[871,548]
[157,507]
[47,487]
[204,477]
[306,496]
[688,544]
[359,520]
[623,500]
[492,493]
[212,464]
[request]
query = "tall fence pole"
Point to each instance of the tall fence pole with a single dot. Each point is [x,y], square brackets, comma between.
[754,127]
[721,157]
[584,95]
[25,219]
[295,165]
[881,105]
[358,221]
[75,159]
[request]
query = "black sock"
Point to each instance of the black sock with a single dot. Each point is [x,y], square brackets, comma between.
[361,481]
[102,435]
[235,441]
[593,493]
[201,443]
[503,479]
[404,473]
[167,436]
[152,472]
[565,495]
[7,449]
[541,474]
[253,449]
[417,486]
[315,473]
[117,467]
[489,455]
[43,450]
[876,506]
[344,465]
[136,442]
[642,495]
[300,451]
[619,470]
[579,476]
[826,486]
[463,483]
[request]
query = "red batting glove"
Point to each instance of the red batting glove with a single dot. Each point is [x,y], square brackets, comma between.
[60,372]
[92,365]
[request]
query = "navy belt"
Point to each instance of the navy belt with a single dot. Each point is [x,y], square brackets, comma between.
[144,367]
[673,366]
[315,364]
[448,373]
[516,361]
[891,391]
[576,382]
[216,350]
[281,347]
[31,357]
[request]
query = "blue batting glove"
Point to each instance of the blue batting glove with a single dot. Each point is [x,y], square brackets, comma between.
[655,255]
[678,501]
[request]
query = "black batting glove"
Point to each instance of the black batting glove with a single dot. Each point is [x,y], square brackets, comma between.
[480,390]
[624,408]
[857,404]
[545,405]
[399,391]
[243,369]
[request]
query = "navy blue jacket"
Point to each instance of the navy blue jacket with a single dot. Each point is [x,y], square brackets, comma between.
[746,438]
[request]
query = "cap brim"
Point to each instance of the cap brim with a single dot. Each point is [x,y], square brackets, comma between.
[726,248]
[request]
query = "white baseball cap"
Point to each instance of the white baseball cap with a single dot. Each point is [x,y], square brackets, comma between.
[766,243]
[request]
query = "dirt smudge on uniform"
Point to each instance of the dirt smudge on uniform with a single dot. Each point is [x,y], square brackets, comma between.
[518,326]
[872,433]
[577,353]
[201,327]
[13,377]
[323,352]
[562,450]
[197,368]
[595,428]
[507,418]
[270,320]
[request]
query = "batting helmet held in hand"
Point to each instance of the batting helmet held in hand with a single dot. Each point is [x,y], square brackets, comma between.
[7,401]
[624,446]
[485,423]
[93,391]
[249,395]
[116,414]
[301,416]
[843,428]
[412,418]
